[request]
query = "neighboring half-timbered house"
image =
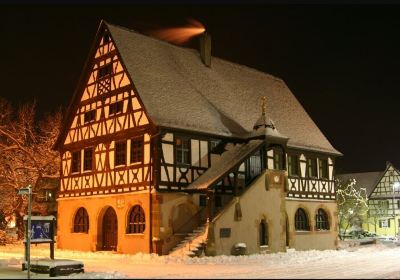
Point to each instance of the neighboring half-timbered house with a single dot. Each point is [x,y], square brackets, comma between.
[383,191]
[158,146]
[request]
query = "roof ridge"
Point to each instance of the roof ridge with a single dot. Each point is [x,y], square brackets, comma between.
[197,51]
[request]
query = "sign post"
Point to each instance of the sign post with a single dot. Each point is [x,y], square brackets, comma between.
[28,191]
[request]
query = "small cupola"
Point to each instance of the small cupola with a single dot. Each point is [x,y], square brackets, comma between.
[265,126]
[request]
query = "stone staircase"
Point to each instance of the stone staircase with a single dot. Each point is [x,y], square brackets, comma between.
[193,244]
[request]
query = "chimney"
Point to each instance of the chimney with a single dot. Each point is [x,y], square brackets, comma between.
[205,48]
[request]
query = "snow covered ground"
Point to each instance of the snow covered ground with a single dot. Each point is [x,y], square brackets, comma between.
[368,261]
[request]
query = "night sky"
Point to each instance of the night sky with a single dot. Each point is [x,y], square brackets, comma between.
[342,62]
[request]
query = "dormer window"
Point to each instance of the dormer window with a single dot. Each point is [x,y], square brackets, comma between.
[115,108]
[182,150]
[104,71]
[90,116]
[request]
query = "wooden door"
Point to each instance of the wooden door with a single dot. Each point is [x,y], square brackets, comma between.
[110,230]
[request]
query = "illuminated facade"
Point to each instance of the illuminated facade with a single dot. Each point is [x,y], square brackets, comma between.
[383,191]
[158,147]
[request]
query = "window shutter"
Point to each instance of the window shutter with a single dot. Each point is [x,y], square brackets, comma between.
[380,224]
[388,223]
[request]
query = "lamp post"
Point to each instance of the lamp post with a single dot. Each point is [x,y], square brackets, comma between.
[395,186]
[28,191]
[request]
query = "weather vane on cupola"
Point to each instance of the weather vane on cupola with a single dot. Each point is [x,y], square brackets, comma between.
[263,120]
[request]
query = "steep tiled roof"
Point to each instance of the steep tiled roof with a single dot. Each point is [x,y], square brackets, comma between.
[179,91]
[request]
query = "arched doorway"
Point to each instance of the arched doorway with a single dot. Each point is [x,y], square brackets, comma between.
[263,230]
[110,230]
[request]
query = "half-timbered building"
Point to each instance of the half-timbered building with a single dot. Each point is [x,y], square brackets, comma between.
[383,192]
[162,145]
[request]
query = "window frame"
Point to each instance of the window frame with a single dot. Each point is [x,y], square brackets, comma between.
[310,167]
[137,150]
[136,220]
[118,156]
[104,71]
[89,116]
[278,159]
[323,170]
[184,150]
[301,224]
[290,165]
[115,108]
[322,220]
[76,163]
[81,221]
[86,160]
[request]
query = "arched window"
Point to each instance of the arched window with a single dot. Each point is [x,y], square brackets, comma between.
[322,220]
[300,220]
[136,220]
[81,221]
[263,233]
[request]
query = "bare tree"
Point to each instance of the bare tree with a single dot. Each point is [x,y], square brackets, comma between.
[352,205]
[25,154]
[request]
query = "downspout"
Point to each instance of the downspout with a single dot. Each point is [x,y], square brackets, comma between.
[153,153]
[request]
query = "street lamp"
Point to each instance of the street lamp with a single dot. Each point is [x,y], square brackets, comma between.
[28,191]
[396,185]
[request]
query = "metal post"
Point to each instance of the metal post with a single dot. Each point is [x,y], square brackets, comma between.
[29,231]
[28,191]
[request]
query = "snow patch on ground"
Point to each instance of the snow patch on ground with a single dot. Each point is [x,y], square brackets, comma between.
[368,261]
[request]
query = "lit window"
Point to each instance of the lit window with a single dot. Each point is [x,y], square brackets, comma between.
[49,195]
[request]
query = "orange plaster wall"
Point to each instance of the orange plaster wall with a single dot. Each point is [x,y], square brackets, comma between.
[96,206]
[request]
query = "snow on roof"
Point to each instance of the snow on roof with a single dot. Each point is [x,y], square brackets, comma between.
[367,180]
[233,156]
[179,91]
